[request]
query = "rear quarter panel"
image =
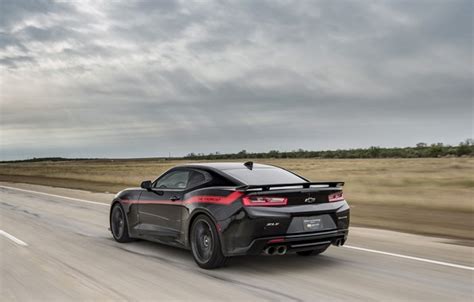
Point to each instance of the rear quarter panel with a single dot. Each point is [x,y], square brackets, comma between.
[220,204]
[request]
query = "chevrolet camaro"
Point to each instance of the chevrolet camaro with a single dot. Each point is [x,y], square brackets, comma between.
[221,210]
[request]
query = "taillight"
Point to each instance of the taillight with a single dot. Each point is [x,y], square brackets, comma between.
[252,201]
[338,196]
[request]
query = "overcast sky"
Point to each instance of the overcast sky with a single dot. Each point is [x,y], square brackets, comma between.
[149,78]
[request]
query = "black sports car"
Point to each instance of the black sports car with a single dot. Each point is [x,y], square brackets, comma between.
[219,210]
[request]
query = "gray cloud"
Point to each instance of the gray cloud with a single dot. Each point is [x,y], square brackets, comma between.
[145,78]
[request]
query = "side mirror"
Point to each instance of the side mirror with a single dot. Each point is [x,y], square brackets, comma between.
[146,185]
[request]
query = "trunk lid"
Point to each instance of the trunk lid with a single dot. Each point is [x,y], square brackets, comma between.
[301,196]
[297,194]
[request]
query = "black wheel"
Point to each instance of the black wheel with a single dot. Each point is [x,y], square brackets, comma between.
[205,243]
[314,252]
[118,224]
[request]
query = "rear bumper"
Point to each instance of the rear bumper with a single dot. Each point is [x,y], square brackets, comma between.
[297,243]
[252,230]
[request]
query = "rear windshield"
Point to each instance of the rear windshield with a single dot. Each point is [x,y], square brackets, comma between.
[260,176]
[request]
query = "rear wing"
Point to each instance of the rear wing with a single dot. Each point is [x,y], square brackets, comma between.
[305,185]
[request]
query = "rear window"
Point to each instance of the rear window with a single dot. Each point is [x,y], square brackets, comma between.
[260,176]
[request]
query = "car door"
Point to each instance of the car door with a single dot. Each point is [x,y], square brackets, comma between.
[159,209]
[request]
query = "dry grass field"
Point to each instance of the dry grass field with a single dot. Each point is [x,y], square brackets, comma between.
[430,196]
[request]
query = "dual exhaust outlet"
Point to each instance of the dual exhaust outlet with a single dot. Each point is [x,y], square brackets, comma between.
[339,242]
[275,250]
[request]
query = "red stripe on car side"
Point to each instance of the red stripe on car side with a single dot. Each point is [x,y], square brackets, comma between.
[224,200]
[215,199]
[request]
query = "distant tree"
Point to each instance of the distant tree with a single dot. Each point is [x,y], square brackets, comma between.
[466,147]
[421,145]
[436,150]
[242,153]
[274,153]
[374,152]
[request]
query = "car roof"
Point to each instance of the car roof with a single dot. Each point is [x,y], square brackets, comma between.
[222,166]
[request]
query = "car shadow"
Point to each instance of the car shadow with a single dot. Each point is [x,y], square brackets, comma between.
[240,264]
[289,261]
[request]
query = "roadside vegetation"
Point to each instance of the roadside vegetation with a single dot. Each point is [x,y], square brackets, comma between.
[422,150]
[421,195]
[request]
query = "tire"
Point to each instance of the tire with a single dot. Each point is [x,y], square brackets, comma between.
[314,252]
[119,225]
[205,244]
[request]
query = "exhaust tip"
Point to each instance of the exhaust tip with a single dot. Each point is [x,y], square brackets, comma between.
[281,250]
[339,242]
[271,250]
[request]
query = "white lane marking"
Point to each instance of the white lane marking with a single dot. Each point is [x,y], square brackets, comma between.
[59,196]
[13,238]
[411,257]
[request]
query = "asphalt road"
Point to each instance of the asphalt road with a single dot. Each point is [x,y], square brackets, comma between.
[56,248]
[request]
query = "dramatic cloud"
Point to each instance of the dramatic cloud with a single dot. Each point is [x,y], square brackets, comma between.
[148,78]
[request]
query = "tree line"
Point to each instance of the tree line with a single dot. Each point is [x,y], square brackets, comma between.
[421,150]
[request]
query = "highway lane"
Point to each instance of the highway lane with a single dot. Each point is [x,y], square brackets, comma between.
[70,255]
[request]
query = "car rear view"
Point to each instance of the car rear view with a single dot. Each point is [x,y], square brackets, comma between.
[283,212]
[220,210]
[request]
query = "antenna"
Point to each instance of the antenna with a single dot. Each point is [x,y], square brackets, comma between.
[249,165]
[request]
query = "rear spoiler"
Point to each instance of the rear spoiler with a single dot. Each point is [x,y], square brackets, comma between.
[330,184]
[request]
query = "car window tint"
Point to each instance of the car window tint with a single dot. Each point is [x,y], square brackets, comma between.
[174,180]
[261,176]
[197,178]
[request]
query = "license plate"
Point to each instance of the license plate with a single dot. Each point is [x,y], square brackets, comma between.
[312,224]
